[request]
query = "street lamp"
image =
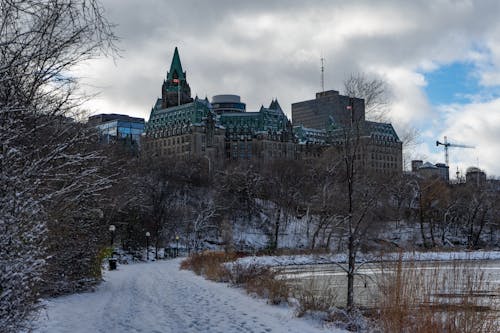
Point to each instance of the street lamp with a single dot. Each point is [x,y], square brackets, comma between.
[112,260]
[177,241]
[147,245]
[112,229]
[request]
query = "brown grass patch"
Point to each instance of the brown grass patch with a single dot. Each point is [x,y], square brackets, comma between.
[422,299]
[314,295]
[254,279]
[261,281]
[210,264]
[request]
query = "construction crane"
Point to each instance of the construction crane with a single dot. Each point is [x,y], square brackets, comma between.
[447,144]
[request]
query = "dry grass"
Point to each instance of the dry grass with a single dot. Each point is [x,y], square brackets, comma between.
[314,295]
[428,299]
[256,280]
[210,265]
[262,282]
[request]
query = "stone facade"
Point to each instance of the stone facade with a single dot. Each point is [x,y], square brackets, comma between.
[227,132]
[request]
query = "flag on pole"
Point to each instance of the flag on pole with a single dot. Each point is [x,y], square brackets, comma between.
[176,80]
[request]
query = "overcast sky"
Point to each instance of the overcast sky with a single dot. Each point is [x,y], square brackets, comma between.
[441,60]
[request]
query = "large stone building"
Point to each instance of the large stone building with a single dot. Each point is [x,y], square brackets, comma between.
[223,130]
[336,119]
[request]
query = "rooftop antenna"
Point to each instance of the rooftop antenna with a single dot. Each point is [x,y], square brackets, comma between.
[322,74]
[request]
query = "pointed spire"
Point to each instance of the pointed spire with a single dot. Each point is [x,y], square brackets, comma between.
[275,105]
[272,106]
[176,67]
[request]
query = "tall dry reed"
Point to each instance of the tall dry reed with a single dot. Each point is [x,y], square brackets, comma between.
[418,297]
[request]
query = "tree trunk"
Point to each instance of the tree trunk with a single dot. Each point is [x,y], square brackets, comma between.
[431,225]
[274,245]
[422,228]
[477,235]
[350,274]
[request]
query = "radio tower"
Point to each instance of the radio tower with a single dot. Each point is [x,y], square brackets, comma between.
[322,74]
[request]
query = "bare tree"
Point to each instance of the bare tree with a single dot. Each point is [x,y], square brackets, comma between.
[373,90]
[361,194]
[410,136]
[202,223]
[475,207]
[377,97]
[41,165]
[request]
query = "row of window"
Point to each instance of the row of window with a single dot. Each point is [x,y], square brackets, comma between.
[382,157]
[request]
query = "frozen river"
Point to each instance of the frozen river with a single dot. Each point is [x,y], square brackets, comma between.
[330,279]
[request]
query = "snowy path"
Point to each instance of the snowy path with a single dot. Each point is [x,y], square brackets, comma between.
[158,297]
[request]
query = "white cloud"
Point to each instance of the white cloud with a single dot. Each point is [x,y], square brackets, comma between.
[475,124]
[410,103]
[268,49]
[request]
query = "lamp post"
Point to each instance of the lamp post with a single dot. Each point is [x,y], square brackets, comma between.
[112,260]
[177,242]
[112,229]
[147,245]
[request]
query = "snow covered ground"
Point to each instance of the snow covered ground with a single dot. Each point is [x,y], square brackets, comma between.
[158,297]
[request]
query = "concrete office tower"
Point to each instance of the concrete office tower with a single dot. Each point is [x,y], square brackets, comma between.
[329,108]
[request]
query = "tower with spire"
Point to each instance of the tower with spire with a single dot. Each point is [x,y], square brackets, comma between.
[175,89]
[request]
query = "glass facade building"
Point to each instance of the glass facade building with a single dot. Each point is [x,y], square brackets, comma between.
[118,127]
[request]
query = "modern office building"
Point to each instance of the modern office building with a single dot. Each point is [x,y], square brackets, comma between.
[118,127]
[327,108]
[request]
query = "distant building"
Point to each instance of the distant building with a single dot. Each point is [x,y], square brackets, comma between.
[415,164]
[220,131]
[444,171]
[429,170]
[328,107]
[118,127]
[332,119]
[227,104]
[223,130]
[475,176]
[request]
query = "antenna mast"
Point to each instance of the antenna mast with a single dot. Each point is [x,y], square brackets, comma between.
[322,74]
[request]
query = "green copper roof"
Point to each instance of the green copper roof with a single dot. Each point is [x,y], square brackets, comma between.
[176,67]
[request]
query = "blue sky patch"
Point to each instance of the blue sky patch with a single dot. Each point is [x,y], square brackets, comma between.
[452,84]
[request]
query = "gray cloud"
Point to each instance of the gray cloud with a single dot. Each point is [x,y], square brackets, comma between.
[267,49]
